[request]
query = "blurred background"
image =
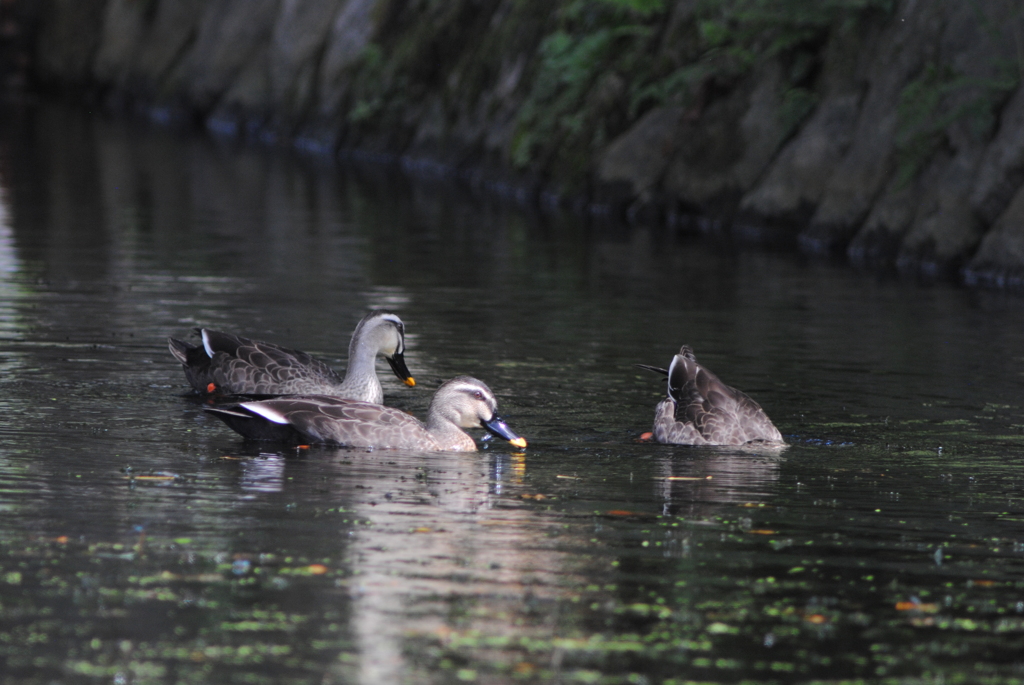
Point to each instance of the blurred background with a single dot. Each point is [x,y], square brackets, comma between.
[889,133]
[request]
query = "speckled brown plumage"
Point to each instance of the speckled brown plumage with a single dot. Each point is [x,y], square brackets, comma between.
[233,365]
[702,410]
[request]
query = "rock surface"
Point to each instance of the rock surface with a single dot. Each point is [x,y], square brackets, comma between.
[999,261]
[891,132]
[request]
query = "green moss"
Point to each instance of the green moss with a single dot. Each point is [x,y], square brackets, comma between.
[797,103]
[939,97]
[582,71]
[643,7]
[575,102]
[569,114]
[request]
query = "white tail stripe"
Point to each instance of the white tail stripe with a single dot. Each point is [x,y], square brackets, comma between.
[676,360]
[206,344]
[266,412]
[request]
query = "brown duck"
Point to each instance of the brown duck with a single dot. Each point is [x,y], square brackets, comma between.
[710,412]
[462,402]
[232,365]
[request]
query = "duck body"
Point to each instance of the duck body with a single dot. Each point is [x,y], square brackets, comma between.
[709,411]
[233,365]
[462,402]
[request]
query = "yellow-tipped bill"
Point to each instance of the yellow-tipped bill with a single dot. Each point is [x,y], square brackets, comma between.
[498,427]
[397,362]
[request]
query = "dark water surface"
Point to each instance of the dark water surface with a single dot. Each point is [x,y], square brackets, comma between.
[143,542]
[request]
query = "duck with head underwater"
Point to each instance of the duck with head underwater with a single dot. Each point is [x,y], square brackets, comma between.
[232,365]
[710,412]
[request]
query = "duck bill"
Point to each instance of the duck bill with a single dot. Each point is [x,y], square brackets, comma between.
[498,427]
[397,362]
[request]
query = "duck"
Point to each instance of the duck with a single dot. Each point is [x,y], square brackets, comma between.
[229,364]
[712,413]
[462,402]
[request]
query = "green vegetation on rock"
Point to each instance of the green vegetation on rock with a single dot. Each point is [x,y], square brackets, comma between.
[939,98]
[814,112]
[609,61]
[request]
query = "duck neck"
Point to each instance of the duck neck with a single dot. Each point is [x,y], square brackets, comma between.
[447,432]
[361,372]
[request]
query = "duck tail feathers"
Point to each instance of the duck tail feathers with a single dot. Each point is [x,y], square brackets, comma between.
[179,349]
[228,411]
[678,376]
[655,369]
[252,426]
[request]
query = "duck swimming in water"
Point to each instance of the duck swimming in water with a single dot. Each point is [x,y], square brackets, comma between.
[710,412]
[232,365]
[462,402]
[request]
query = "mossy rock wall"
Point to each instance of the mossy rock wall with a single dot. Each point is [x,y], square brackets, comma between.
[890,131]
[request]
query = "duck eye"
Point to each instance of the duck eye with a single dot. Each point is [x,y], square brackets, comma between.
[479,395]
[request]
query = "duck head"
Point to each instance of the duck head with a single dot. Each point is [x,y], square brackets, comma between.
[469,403]
[383,332]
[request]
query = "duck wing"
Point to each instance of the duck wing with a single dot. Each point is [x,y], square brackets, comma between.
[255,427]
[343,422]
[238,365]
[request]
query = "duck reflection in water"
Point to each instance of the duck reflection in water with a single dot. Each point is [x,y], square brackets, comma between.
[710,412]
[715,480]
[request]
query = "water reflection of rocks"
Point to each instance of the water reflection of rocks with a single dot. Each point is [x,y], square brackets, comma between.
[119,238]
